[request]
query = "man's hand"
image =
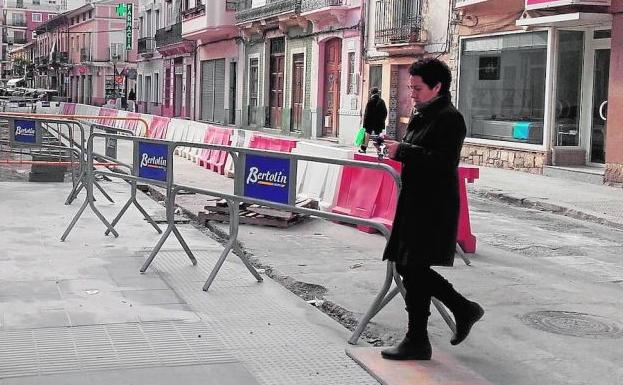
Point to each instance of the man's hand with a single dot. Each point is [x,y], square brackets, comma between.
[392,147]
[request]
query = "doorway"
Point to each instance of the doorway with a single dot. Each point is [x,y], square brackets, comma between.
[599,109]
[332,80]
[298,68]
[277,60]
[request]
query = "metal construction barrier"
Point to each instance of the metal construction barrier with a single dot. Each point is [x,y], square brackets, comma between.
[43,143]
[262,177]
[47,128]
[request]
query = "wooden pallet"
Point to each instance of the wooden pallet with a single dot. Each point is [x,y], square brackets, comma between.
[256,214]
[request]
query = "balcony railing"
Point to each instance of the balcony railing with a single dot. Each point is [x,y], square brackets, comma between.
[197,10]
[146,45]
[398,22]
[169,35]
[310,5]
[17,23]
[272,8]
[15,40]
[60,57]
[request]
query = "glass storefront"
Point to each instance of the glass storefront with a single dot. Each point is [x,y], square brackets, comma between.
[502,87]
[569,88]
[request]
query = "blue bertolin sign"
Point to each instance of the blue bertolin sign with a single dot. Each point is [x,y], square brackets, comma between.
[269,178]
[152,160]
[25,131]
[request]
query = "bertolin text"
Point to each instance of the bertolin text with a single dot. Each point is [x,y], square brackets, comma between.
[29,131]
[153,161]
[272,177]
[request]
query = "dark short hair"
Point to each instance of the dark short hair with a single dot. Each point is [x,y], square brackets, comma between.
[433,71]
[374,90]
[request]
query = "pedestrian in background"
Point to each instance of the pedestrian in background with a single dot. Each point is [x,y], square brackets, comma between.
[132,98]
[425,226]
[373,117]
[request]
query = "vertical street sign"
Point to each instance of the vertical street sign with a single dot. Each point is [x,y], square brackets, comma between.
[128,26]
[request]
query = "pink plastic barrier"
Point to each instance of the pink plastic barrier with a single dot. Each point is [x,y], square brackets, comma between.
[107,112]
[274,144]
[204,154]
[372,194]
[215,159]
[69,109]
[158,127]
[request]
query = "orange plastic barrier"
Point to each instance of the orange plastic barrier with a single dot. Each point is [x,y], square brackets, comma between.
[367,193]
[107,112]
[274,144]
[158,127]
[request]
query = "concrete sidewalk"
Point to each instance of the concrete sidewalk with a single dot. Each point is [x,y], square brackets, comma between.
[580,200]
[79,312]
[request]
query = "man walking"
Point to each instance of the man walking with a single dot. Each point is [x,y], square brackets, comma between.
[373,117]
[425,226]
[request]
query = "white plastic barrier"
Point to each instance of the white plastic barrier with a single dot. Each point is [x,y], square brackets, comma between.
[177,131]
[84,109]
[239,138]
[319,181]
[50,108]
[196,132]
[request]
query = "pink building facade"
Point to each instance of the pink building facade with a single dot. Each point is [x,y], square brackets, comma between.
[165,61]
[212,80]
[20,18]
[85,52]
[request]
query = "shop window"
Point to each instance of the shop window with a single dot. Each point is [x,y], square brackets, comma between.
[502,87]
[569,88]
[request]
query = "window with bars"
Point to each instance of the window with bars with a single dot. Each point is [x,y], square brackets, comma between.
[253,90]
[351,88]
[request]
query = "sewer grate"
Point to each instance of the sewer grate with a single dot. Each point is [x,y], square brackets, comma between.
[28,352]
[572,324]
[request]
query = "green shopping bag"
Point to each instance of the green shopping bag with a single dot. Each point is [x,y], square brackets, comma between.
[360,136]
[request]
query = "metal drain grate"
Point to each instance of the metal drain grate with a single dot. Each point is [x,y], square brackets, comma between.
[572,324]
[113,346]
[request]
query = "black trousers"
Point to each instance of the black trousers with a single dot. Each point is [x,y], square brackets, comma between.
[422,283]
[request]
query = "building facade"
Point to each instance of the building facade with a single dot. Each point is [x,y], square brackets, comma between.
[212,78]
[398,33]
[19,20]
[164,78]
[84,54]
[536,79]
[302,61]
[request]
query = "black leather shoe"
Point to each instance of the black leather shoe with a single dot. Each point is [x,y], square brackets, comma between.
[465,320]
[408,349]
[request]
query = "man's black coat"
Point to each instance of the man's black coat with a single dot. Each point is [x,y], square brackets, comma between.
[425,226]
[374,115]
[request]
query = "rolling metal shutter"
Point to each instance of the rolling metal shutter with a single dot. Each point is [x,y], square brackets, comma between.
[207,90]
[219,91]
[213,90]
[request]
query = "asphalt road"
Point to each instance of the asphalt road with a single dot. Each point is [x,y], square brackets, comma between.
[551,287]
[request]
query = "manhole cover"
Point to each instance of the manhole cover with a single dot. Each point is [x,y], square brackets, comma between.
[572,324]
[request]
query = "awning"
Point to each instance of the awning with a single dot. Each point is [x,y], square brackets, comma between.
[575,19]
[12,82]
